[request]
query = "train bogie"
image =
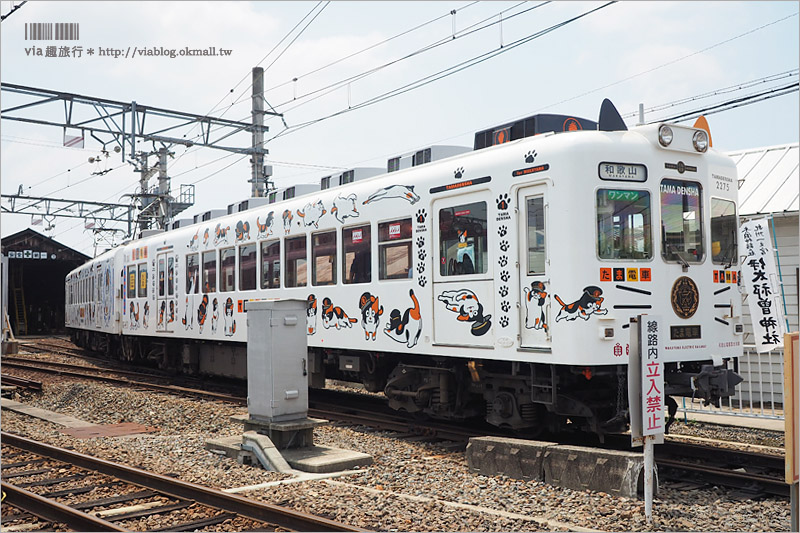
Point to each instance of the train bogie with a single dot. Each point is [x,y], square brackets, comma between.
[498,283]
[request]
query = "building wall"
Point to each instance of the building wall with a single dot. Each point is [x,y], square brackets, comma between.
[763,373]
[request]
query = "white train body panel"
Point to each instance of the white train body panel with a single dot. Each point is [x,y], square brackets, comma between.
[536,293]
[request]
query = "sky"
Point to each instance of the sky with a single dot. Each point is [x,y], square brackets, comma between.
[357,66]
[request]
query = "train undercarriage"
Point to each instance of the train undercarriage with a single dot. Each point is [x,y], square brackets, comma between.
[525,397]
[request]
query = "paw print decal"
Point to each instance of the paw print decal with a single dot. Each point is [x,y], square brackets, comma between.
[530,156]
[422,281]
[505,306]
[502,202]
[459,173]
[503,261]
[504,245]
[421,216]
[422,254]
[502,231]
[503,292]
[420,242]
[505,276]
[504,321]
[420,267]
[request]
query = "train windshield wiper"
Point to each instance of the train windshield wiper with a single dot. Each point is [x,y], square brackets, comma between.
[676,253]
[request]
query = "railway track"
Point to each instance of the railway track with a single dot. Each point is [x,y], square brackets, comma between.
[693,465]
[60,487]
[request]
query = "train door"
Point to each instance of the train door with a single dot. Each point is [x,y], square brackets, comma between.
[534,268]
[165,290]
[463,286]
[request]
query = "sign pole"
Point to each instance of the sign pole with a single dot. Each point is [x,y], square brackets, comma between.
[646,396]
[648,478]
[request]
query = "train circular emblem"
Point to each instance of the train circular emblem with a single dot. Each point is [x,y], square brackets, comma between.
[685,297]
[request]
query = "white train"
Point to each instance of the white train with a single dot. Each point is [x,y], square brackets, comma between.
[496,283]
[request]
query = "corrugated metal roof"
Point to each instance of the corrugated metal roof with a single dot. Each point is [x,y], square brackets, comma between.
[769,179]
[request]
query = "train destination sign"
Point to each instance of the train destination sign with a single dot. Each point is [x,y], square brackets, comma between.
[622,172]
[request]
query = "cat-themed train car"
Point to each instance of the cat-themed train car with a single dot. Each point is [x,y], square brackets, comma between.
[498,283]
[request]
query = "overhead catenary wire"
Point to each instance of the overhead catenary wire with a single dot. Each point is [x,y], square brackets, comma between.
[717,92]
[214,108]
[338,84]
[734,103]
[444,73]
[305,98]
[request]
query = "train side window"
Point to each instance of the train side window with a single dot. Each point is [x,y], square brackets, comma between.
[142,280]
[161,276]
[681,221]
[394,249]
[323,258]
[192,273]
[247,267]
[537,236]
[131,283]
[270,264]
[357,256]
[209,271]
[463,247]
[296,262]
[227,270]
[723,232]
[623,224]
[170,276]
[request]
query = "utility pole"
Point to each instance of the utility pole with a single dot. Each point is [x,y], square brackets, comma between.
[258,179]
[164,198]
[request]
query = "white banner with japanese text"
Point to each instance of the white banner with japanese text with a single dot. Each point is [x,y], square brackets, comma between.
[760,279]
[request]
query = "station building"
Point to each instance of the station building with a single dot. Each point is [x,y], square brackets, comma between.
[34,268]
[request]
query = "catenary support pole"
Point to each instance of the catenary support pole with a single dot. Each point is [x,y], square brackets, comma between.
[257,160]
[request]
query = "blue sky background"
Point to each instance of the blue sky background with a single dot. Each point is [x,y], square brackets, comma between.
[650,52]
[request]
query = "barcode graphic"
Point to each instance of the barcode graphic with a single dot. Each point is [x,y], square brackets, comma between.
[44,31]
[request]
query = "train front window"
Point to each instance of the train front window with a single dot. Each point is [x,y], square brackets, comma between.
[623,224]
[723,232]
[681,221]
[462,239]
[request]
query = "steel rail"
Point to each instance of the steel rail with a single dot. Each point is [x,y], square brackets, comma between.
[771,485]
[21,382]
[172,389]
[53,511]
[264,512]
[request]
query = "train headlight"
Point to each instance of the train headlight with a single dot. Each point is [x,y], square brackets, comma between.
[700,141]
[665,135]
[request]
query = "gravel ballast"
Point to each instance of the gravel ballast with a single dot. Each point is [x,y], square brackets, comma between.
[412,486]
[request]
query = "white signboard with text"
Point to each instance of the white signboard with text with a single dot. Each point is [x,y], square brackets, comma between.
[760,279]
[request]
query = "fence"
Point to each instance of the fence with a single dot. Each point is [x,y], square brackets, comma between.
[760,395]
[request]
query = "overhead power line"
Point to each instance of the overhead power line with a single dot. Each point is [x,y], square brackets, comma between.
[449,39]
[421,82]
[734,103]
[718,92]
